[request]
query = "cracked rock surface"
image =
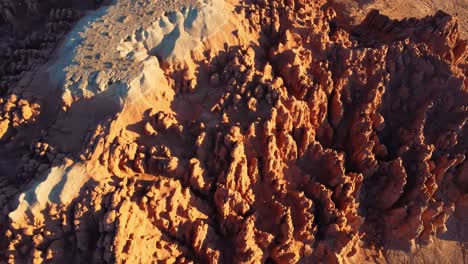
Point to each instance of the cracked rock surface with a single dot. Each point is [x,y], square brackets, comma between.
[237,131]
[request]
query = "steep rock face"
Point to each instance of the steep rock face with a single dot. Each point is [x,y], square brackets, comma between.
[295,141]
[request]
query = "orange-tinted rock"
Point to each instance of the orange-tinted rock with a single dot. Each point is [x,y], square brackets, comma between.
[297,147]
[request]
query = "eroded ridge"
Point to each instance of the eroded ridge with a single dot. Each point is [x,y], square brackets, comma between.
[280,137]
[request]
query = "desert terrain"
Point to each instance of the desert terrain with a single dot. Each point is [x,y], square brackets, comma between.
[353,12]
[233,131]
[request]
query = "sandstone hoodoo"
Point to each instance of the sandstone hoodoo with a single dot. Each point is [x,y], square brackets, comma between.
[232,131]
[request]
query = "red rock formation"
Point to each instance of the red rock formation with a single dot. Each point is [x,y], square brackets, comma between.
[293,150]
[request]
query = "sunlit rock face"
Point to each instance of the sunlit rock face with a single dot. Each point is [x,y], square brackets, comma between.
[236,132]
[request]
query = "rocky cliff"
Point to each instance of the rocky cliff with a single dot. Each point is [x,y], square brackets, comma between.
[240,131]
